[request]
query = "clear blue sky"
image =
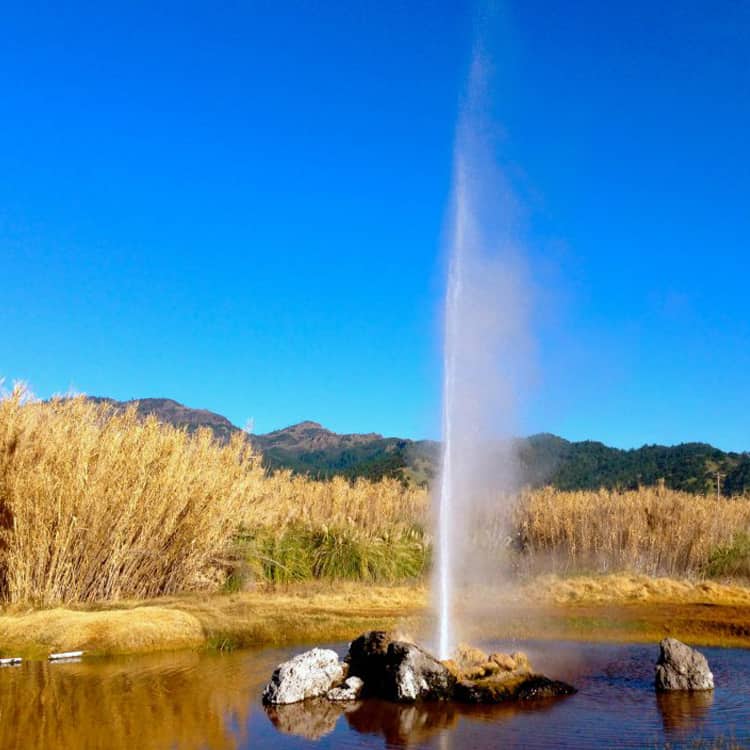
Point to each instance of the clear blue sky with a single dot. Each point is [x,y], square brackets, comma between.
[241,206]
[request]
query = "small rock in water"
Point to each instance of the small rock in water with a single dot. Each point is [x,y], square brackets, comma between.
[500,677]
[308,675]
[682,668]
[350,690]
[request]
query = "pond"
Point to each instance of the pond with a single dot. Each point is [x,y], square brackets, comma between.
[212,701]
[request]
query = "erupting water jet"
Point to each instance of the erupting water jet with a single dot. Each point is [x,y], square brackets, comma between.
[484,351]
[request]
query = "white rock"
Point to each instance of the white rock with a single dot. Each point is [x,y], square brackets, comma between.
[308,675]
[349,691]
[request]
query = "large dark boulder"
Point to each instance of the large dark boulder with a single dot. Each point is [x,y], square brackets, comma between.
[397,670]
[367,660]
[681,668]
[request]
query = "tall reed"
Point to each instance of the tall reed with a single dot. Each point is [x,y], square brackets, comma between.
[101,505]
[97,504]
[650,530]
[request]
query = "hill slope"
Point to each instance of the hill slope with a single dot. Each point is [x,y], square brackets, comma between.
[176,414]
[588,465]
[310,448]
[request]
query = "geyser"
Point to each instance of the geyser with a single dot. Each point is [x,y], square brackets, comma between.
[485,349]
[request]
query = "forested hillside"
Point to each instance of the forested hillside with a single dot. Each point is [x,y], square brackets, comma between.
[310,448]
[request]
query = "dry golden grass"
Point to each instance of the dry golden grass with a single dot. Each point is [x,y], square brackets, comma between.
[100,505]
[303,614]
[625,588]
[614,608]
[285,499]
[298,529]
[141,629]
[652,531]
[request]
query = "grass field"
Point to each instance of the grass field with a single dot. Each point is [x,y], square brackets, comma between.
[119,534]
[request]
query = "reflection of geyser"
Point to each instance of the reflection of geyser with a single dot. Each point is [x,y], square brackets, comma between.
[485,346]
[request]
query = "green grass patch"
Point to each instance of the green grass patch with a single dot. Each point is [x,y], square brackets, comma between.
[300,553]
[731,560]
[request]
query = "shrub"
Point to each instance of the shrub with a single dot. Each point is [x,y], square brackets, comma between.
[730,560]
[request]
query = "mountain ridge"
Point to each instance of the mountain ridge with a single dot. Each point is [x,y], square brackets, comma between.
[308,447]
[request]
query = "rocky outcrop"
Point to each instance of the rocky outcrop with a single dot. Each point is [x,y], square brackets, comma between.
[681,668]
[412,674]
[367,660]
[308,675]
[398,671]
[380,665]
[498,677]
[473,664]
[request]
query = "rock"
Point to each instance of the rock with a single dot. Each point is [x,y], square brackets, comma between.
[510,687]
[682,668]
[500,677]
[308,675]
[538,686]
[413,674]
[396,670]
[367,659]
[350,690]
[378,665]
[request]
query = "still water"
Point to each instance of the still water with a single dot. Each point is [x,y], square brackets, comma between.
[188,701]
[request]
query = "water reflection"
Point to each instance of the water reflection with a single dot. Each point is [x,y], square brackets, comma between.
[189,701]
[683,712]
[401,725]
[311,719]
[160,701]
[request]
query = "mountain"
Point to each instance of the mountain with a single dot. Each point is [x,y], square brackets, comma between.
[174,413]
[310,448]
